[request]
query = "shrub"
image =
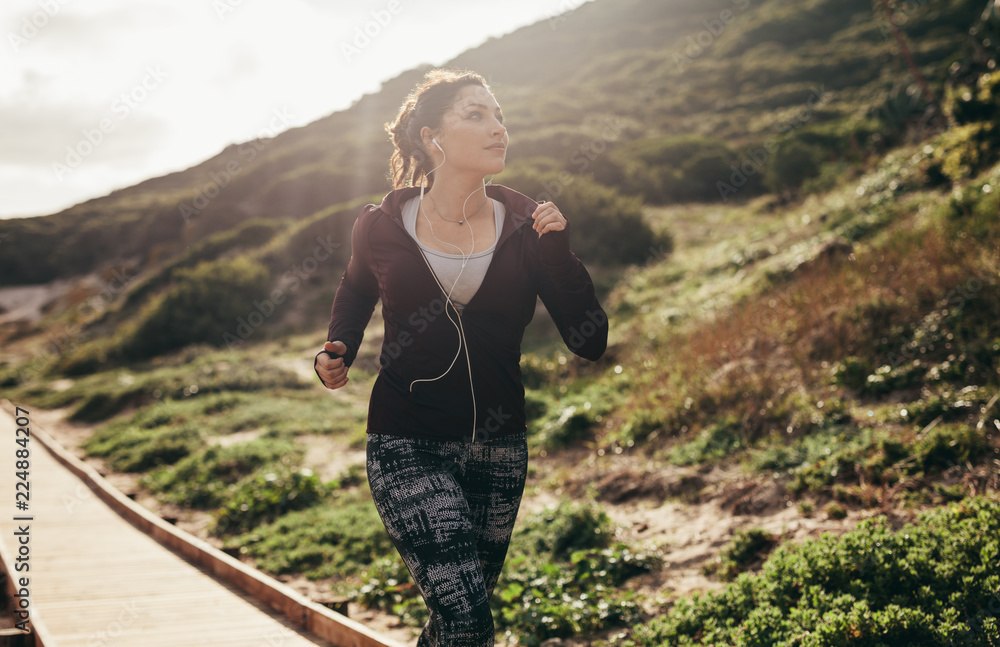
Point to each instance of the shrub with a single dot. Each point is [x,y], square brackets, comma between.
[669,169]
[203,479]
[102,405]
[564,574]
[791,164]
[607,227]
[559,530]
[389,587]
[836,511]
[748,546]
[947,445]
[966,105]
[934,582]
[264,497]
[137,449]
[963,151]
[203,304]
[340,538]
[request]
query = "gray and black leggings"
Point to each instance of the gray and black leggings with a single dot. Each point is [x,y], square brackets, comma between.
[449,507]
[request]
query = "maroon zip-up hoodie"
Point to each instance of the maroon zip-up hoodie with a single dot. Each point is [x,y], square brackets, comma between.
[421,342]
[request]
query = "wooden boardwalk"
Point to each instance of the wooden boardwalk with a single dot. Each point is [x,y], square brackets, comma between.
[97,579]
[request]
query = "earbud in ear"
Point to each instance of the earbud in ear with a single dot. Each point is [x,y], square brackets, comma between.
[437,144]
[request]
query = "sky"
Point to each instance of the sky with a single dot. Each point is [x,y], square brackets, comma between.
[98,95]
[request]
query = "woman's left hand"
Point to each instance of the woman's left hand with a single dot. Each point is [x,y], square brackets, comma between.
[547,218]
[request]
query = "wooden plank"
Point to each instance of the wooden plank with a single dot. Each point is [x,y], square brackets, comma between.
[95,574]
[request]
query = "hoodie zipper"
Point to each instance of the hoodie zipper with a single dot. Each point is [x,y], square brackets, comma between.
[465,343]
[397,218]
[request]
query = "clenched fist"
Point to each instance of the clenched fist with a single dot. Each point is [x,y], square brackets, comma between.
[331,370]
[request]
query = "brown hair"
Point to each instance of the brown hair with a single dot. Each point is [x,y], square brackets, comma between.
[425,106]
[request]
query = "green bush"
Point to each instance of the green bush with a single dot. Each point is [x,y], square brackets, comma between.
[945,446]
[934,582]
[545,599]
[880,458]
[670,169]
[561,578]
[102,405]
[260,498]
[339,538]
[714,443]
[204,479]
[972,213]
[564,574]
[900,107]
[967,105]
[748,545]
[203,304]
[388,586]
[606,227]
[965,150]
[138,449]
[560,530]
[791,164]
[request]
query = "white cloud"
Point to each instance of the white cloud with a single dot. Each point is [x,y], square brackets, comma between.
[66,64]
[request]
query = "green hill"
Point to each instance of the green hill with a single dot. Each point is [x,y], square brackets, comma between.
[799,251]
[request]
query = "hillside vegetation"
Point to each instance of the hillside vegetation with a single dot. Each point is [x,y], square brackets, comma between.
[798,248]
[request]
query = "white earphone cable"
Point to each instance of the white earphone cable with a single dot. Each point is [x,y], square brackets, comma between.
[465,259]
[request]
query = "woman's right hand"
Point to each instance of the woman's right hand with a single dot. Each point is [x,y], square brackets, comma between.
[331,370]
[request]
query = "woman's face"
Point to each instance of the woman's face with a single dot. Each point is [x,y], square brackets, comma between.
[472,134]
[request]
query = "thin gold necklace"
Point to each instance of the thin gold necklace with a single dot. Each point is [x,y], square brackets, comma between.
[460,222]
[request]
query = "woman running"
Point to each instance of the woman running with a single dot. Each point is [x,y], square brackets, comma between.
[457,265]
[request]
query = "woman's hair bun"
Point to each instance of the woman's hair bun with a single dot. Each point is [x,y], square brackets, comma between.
[425,106]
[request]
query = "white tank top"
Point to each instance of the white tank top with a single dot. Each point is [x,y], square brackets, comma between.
[447,266]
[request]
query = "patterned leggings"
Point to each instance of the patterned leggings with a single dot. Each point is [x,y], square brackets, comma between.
[449,508]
